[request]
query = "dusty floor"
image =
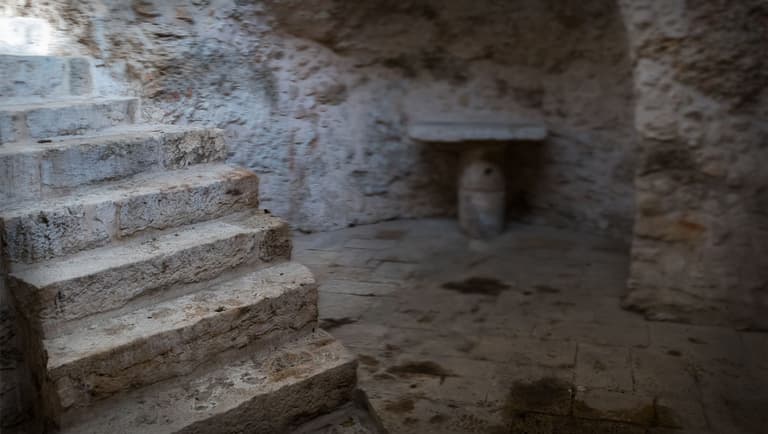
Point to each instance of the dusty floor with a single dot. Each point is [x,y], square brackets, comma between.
[523,334]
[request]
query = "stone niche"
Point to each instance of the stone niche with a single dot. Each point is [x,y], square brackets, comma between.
[481,179]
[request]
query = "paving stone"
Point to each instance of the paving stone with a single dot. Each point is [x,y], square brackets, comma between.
[370,244]
[531,423]
[394,271]
[602,367]
[350,418]
[401,253]
[338,272]
[384,374]
[594,333]
[756,352]
[604,404]
[526,351]
[360,288]
[698,343]
[662,430]
[547,394]
[328,241]
[524,334]
[659,374]
[441,343]
[608,311]
[588,426]
[745,415]
[316,257]
[550,304]
[407,414]
[338,308]
[441,313]
[677,413]
[360,334]
[355,258]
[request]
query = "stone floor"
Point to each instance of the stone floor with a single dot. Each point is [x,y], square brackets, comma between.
[523,335]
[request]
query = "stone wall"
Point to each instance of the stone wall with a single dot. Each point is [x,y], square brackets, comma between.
[315,95]
[700,244]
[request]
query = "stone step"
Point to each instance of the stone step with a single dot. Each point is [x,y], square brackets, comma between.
[32,170]
[97,215]
[266,393]
[100,358]
[107,278]
[44,76]
[35,119]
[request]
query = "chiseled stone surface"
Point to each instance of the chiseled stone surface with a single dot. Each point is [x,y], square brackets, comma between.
[33,170]
[106,278]
[262,393]
[700,234]
[43,76]
[524,334]
[21,119]
[262,309]
[93,217]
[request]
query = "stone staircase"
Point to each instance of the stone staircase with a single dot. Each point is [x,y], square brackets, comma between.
[154,296]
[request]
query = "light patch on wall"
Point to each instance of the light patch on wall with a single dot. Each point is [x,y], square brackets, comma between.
[24,36]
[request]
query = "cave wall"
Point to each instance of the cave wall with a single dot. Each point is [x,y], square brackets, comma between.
[315,95]
[700,239]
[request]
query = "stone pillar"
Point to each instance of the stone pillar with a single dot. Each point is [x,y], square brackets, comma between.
[482,191]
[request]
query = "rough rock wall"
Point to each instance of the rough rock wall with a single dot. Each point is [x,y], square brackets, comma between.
[314,95]
[700,244]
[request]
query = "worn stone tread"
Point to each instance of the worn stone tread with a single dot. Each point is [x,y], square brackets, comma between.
[262,393]
[34,118]
[103,137]
[39,169]
[93,216]
[26,104]
[172,338]
[106,278]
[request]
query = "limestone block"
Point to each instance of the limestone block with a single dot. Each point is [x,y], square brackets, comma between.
[46,229]
[453,132]
[28,76]
[261,310]
[262,393]
[8,129]
[19,177]
[65,117]
[80,81]
[107,278]
[42,170]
